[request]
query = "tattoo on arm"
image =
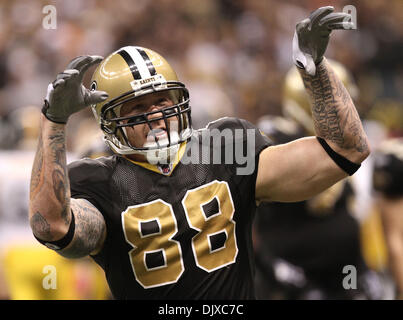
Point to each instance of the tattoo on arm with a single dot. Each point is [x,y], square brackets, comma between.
[334,114]
[60,186]
[89,232]
[42,227]
[59,174]
[37,173]
[50,203]
[49,187]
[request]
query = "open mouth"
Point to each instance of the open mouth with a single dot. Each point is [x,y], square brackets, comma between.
[157,134]
[158,138]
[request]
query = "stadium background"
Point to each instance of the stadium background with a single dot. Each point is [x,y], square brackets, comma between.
[232,55]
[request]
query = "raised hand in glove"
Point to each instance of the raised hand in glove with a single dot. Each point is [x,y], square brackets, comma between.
[312,36]
[67,95]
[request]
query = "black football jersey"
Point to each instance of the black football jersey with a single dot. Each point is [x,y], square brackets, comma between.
[179,232]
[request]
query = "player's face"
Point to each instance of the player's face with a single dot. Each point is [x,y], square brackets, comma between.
[140,134]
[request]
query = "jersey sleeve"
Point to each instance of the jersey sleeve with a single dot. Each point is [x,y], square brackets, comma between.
[250,134]
[88,180]
[261,140]
[245,140]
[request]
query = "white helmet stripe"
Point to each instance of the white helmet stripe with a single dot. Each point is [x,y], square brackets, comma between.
[139,61]
[147,60]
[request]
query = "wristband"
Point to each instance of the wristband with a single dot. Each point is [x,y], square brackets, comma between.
[63,242]
[346,165]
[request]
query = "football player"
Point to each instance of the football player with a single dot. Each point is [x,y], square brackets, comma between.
[388,177]
[161,228]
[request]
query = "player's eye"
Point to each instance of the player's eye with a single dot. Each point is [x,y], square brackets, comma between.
[139,108]
[132,110]
[136,120]
[162,102]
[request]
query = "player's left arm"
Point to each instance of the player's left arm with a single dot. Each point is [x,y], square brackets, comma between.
[301,169]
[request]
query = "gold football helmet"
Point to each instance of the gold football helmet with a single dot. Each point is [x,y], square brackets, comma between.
[296,103]
[127,74]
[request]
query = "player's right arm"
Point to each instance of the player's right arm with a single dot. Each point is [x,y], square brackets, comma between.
[50,206]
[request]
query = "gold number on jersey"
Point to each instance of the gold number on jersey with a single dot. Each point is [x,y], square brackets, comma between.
[156,243]
[219,224]
[150,227]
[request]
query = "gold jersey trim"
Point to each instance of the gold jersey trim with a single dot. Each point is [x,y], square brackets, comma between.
[156,168]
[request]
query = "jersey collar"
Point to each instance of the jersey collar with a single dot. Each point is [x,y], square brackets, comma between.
[165,170]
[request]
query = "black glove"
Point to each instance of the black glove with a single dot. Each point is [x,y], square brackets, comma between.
[312,36]
[67,95]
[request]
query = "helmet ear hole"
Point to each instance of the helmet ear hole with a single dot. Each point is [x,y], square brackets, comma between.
[93,86]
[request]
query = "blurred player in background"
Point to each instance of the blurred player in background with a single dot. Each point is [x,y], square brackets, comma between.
[388,182]
[309,242]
